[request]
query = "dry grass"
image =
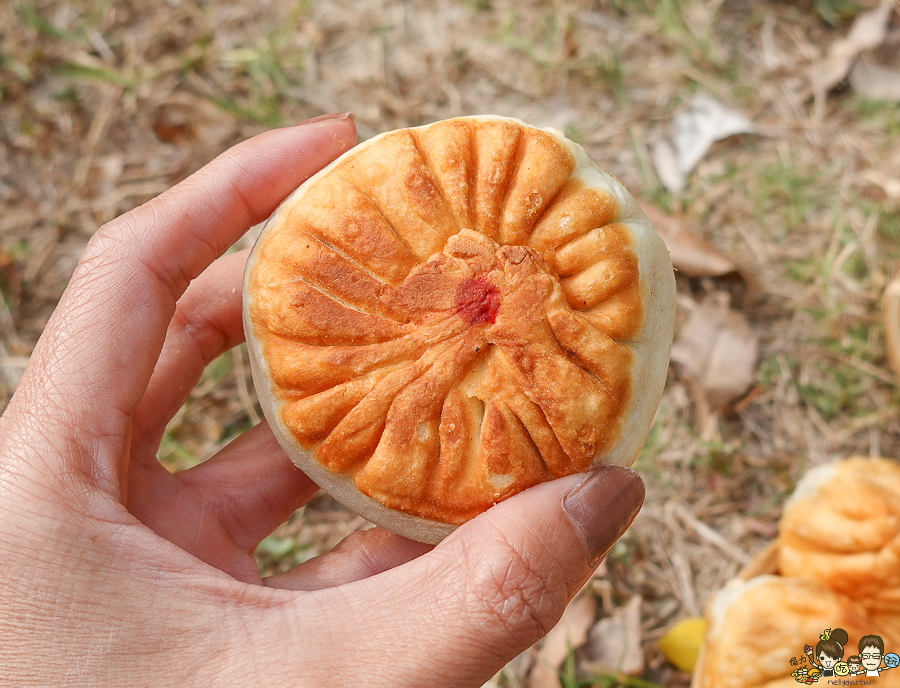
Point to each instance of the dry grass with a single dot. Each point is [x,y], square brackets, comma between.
[103,105]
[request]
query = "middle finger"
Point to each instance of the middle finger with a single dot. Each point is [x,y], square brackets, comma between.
[206,324]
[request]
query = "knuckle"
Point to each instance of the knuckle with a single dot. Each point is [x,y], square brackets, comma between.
[513,596]
[119,235]
[120,247]
[110,251]
[104,247]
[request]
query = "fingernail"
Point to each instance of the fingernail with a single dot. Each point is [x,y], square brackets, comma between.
[331,117]
[603,505]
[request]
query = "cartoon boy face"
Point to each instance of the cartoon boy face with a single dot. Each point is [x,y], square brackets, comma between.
[870,657]
[854,667]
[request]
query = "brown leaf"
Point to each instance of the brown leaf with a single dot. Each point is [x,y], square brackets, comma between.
[614,643]
[174,125]
[717,350]
[570,633]
[889,187]
[690,253]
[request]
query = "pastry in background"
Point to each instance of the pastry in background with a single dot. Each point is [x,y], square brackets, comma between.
[758,629]
[841,527]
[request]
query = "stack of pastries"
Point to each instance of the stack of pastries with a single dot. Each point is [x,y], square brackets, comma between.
[838,560]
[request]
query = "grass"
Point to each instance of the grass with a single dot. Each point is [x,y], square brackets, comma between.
[31,18]
[625,550]
[836,11]
[717,456]
[211,417]
[889,229]
[685,27]
[832,389]
[880,115]
[547,46]
[785,193]
[266,68]
[174,455]
[568,678]
[541,43]
[653,445]
[614,681]
[270,68]
[276,554]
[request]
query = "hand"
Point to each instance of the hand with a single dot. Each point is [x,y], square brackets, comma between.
[115,572]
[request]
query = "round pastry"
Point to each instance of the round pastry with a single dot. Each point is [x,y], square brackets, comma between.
[449,314]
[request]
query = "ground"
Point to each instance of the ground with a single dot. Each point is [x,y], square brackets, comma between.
[105,104]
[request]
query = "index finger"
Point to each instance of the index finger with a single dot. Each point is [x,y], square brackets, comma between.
[91,366]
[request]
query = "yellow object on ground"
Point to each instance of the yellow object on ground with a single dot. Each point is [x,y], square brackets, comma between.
[681,643]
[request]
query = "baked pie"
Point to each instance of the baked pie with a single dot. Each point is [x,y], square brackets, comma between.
[449,314]
[841,527]
[756,627]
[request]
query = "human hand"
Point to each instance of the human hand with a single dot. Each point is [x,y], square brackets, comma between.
[115,572]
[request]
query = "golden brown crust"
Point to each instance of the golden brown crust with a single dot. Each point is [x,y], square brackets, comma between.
[755,627]
[446,316]
[842,528]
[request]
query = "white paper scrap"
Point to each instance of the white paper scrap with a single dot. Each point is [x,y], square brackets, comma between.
[702,124]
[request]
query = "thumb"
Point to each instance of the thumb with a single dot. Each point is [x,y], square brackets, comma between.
[501,581]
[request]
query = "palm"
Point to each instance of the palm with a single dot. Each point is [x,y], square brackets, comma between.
[211,524]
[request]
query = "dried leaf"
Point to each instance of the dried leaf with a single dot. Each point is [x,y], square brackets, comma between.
[544,676]
[570,633]
[770,56]
[875,81]
[681,643]
[690,253]
[717,350]
[666,164]
[890,186]
[614,643]
[867,32]
[702,124]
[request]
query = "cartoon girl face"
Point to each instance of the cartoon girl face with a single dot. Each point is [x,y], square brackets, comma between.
[826,660]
